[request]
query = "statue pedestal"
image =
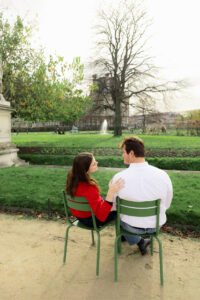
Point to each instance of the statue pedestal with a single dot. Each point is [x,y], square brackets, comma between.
[8,151]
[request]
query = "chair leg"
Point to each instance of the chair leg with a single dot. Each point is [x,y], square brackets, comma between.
[116,251]
[161,261]
[93,241]
[119,245]
[152,245]
[66,241]
[98,254]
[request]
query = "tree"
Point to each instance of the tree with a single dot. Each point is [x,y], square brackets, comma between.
[38,88]
[145,106]
[16,57]
[193,122]
[52,96]
[121,45]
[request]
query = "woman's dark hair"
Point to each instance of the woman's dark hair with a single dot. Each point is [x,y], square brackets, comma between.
[79,172]
[135,144]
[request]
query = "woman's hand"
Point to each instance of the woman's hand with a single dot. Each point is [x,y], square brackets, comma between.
[114,187]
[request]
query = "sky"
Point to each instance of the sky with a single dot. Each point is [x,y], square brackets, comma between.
[66,28]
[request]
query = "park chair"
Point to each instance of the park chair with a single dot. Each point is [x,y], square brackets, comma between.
[137,209]
[81,204]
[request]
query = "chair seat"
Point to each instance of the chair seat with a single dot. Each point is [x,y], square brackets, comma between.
[77,223]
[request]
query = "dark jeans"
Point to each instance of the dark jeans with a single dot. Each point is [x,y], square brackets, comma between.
[88,221]
[135,239]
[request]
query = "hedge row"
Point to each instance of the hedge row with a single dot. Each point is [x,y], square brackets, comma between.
[167,163]
[108,151]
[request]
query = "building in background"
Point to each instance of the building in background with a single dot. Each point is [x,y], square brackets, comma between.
[102,104]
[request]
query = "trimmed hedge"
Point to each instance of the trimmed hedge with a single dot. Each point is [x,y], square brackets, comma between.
[167,152]
[176,163]
[167,163]
[66,160]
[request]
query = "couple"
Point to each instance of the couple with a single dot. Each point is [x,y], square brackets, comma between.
[139,182]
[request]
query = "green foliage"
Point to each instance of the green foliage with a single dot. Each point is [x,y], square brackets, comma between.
[38,89]
[16,57]
[193,115]
[166,152]
[167,163]
[46,149]
[176,163]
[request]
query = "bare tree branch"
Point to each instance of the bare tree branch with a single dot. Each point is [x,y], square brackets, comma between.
[122,53]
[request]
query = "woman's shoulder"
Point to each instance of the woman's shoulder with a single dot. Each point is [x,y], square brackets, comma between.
[86,185]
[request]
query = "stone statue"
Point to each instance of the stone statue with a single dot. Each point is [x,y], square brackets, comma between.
[8,151]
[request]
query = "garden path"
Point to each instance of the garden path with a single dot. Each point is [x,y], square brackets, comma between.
[31,265]
[117,169]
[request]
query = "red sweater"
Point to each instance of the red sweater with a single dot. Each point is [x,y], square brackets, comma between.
[100,207]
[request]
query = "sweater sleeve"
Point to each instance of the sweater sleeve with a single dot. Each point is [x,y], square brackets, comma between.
[100,207]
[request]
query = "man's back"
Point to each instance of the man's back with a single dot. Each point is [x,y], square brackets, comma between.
[144,182]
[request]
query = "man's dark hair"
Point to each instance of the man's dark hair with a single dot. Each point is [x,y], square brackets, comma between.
[135,144]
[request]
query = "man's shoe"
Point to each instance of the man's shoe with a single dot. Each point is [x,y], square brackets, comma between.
[123,239]
[143,244]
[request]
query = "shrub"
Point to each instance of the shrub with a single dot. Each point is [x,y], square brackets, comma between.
[167,163]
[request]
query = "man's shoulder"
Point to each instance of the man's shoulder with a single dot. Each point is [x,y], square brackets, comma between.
[120,174]
[157,171]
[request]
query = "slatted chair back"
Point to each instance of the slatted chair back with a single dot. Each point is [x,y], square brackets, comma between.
[139,209]
[77,203]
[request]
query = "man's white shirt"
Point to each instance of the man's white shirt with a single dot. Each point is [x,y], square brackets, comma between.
[144,182]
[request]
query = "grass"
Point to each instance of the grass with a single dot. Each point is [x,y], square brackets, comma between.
[106,141]
[31,187]
[165,152]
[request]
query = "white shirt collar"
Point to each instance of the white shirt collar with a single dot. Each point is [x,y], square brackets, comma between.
[138,165]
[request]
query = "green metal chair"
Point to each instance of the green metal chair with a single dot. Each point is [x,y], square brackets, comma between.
[81,204]
[137,209]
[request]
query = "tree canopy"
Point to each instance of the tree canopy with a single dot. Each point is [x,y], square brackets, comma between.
[38,87]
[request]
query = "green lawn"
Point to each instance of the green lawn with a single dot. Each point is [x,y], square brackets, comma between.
[165,152]
[31,187]
[89,140]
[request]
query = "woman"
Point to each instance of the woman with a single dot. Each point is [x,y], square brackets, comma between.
[79,183]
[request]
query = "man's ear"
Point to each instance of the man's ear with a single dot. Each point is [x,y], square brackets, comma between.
[132,153]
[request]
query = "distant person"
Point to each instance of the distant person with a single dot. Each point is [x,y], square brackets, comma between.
[142,182]
[80,183]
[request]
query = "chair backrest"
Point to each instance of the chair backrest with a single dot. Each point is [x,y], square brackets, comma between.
[139,209]
[77,203]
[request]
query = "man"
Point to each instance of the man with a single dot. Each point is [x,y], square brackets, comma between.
[143,182]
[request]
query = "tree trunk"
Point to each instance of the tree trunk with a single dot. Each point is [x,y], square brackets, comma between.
[144,124]
[118,119]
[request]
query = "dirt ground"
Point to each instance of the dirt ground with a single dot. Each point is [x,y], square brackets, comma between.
[31,265]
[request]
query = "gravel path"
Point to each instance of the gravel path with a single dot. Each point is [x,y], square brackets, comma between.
[31,265]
